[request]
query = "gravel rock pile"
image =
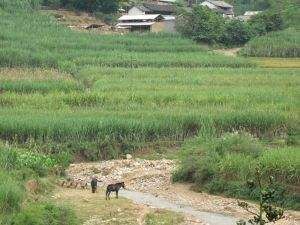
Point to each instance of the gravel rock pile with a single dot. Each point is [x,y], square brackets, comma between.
[138,174]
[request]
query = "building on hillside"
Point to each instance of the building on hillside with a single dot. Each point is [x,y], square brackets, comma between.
[248,15]
[144,23]
[220,6]
[162,8]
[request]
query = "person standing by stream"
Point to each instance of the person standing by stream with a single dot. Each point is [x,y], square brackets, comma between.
[94,183]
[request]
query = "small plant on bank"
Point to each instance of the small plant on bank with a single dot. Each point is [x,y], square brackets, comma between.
[267,213]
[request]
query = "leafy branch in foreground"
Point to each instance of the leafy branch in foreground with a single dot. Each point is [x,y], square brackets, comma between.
[266,213]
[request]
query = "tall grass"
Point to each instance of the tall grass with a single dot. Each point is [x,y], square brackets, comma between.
[283,164]
[283,44]
[11,194]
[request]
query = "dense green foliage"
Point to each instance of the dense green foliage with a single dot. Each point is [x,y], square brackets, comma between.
[266,22]
[204,25]
[284,43]
[236,33]
[105,6]
[228,164]
[12,159]
[201,24]
[45,214]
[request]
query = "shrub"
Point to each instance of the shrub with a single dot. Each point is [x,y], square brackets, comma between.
[37,162]
[241,143]
[46,214]
[32,215]
[17,159]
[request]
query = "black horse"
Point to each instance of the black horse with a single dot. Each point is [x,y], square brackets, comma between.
[114,187]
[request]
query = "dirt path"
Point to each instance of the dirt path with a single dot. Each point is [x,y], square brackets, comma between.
[154,177]
[228,52]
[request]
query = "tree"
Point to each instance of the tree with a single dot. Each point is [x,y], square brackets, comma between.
[104,6]
[267,213]
[201,24]
[236,33]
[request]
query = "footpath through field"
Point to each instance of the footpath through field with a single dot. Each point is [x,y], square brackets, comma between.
[148,183]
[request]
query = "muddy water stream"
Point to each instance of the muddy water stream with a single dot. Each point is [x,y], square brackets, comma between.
[162,203]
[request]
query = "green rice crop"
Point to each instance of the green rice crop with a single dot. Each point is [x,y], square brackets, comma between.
[150,103]
[283,44]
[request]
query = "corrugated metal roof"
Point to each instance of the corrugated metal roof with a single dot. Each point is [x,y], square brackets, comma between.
[220,4]
[143,8]
[135,24]
[140,17]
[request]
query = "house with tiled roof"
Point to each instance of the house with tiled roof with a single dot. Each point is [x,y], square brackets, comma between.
[220,6]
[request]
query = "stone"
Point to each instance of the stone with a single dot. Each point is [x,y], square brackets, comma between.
[128,156]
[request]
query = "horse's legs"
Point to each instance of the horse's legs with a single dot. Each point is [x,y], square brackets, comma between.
[117,194]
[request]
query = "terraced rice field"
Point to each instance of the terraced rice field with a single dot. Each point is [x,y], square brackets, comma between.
[67,85]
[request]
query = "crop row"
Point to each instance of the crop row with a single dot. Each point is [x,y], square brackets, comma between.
[135,125]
